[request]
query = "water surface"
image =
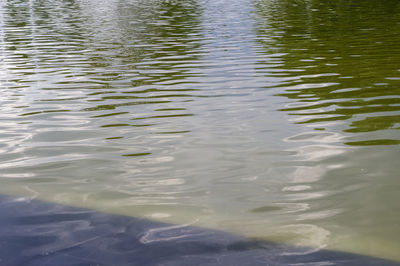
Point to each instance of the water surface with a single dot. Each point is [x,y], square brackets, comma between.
[274,119]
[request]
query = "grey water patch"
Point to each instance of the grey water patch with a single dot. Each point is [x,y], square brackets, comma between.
[36,233]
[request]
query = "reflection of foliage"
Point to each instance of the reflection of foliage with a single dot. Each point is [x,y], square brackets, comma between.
[375,123]
[132,53]
[374,142]
[166,32]
[156,44]
[339,59]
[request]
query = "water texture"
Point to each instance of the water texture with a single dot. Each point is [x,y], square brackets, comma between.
[34,233]
[273,119]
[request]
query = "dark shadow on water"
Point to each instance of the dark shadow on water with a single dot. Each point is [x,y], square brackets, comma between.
[33,232]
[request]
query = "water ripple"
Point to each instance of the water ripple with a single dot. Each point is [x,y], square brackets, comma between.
[274,119]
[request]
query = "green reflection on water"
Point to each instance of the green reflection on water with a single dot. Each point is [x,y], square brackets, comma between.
[374,142]
[338,66]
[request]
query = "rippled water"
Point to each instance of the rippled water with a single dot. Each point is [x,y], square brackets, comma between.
[275,119]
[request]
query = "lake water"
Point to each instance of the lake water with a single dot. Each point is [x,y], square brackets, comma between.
[274,119]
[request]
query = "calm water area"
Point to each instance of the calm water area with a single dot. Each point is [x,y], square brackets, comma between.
[272,119]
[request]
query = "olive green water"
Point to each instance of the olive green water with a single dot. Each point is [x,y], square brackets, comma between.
[276,119]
